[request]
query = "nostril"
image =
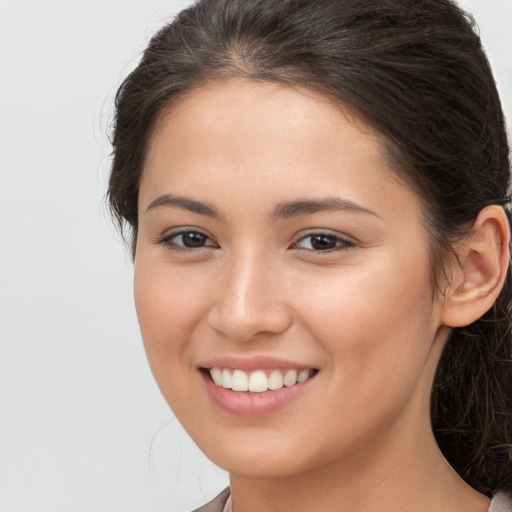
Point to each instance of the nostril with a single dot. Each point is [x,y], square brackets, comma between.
[249,323]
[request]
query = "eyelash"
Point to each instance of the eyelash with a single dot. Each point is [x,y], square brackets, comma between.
[340,243]
[168,240]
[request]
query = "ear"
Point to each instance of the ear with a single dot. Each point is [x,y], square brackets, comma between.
[479,273]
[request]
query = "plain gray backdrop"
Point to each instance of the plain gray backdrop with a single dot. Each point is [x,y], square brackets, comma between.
[83,427]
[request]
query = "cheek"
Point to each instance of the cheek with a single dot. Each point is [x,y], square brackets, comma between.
[376,323]
[169,307]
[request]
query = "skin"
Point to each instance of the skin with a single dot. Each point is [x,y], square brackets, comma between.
[363,313]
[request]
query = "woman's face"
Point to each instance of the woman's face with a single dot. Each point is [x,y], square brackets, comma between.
[276,244]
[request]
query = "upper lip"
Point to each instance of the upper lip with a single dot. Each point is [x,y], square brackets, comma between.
[252,363]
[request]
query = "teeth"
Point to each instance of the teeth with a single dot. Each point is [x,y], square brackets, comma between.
[257,381]
[275,380]
[303,375]
[290,378]
[216,374]
[226,379]
[240,381]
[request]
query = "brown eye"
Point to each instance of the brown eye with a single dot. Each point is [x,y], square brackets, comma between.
[187,239]
[323,242]
[191,239]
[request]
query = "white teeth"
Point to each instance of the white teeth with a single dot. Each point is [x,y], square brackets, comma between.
[275,380]
[303,375]
[226,379]
[240,381]
[290,378]
[257,381]
[216,374]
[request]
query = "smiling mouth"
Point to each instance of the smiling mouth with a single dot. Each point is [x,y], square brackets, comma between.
[258,381]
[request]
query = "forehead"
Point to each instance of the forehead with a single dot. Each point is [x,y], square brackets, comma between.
[249,138]
[244,104]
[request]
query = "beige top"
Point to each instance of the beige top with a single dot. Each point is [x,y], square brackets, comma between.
[501,502]
[227,506]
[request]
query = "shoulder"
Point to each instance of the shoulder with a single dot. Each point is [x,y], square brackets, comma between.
[218,503]
[502,501]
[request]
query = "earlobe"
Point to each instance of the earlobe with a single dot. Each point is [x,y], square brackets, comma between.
[479,273]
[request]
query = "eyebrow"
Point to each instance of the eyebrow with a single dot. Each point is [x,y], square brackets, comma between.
[282,210]
[184,203]
[309,206]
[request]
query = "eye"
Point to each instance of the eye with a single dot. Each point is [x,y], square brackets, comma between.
[323,242]
[186,239]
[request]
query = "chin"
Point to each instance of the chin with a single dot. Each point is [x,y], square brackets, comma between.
[265,456]
[261,464]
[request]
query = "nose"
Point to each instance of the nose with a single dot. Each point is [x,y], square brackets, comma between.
[250,302]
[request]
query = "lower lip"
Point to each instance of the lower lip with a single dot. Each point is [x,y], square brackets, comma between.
[253,404]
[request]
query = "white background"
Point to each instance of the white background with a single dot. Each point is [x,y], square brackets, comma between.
[83,427]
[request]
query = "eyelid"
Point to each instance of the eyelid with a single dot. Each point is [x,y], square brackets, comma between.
[167,239]
[346,241]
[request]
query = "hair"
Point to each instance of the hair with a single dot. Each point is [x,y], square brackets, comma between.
[416,72]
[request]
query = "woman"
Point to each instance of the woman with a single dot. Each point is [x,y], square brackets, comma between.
[317,194]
